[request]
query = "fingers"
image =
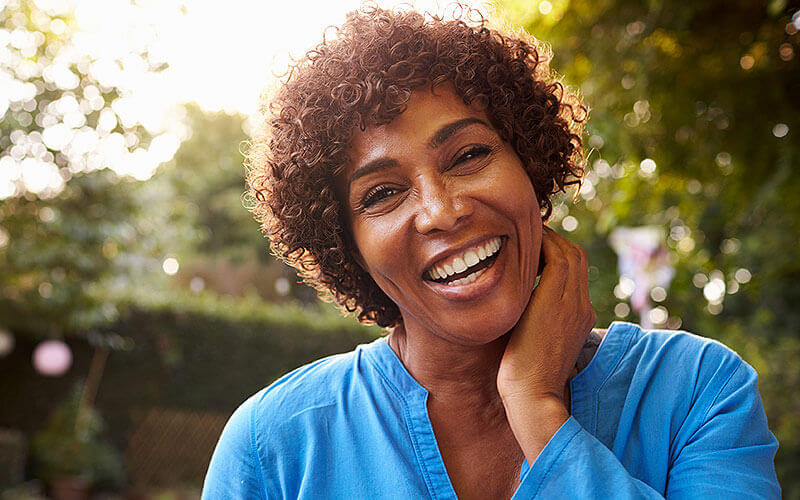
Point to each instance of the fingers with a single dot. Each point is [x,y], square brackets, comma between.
[566,269]
[566,264]
[555,270]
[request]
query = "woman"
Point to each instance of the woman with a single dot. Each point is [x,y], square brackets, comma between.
[406,173]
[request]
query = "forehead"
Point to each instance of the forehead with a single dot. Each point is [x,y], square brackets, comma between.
[425,114]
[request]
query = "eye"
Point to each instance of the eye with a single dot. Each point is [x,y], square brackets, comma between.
[472,153]
[377,195]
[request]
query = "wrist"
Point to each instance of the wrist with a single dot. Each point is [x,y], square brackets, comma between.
[539,406]
[534,421]
[529,394]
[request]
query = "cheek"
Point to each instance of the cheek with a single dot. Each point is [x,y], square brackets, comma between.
[528,222]
[381,253]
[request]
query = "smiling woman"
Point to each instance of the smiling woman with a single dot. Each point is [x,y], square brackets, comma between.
[426,194]
[406,173]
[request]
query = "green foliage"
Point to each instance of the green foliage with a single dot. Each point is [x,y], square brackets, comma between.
[64,448]
[208,352]
[54,93]
[73,234]
[708,92]
[208,177]
[62,254]
[196,353]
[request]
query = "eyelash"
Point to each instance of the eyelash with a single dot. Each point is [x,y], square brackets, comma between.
[472,153]
[376,194]
[381,192]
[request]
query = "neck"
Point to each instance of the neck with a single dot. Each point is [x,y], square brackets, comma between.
[455,375]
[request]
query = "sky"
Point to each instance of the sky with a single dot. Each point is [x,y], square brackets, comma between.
[220,55]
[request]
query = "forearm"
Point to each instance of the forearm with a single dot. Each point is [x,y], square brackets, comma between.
[534,421]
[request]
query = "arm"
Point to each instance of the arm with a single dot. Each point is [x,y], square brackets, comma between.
[728,452]
[723,449]
[544,346]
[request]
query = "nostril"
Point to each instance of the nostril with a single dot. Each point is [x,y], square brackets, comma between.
[441,210]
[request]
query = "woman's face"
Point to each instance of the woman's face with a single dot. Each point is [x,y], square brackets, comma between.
[445,219]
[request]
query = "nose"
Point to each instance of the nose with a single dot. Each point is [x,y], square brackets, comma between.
[441,207]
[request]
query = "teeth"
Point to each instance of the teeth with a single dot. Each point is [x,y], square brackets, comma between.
[471,258]
[466,279]
[460,263]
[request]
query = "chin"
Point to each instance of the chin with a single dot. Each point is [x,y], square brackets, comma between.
[482,330]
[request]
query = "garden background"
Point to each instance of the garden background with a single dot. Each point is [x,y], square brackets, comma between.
[123,235]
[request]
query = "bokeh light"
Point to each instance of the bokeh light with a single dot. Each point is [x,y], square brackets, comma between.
[714,290]
[625,288]
[786,51]
[197,284]
[658,315]
[170,266]
[52,358]
[780,130]
[658,294]
[647,167]
[742,275]
[545,7]
[569,223]
[6,342]
[282,286]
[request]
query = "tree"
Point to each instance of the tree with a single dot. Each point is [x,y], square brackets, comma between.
[693,129]
[72,232]
[207,174]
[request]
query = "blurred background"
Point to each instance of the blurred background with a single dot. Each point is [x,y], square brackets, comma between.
[139,305]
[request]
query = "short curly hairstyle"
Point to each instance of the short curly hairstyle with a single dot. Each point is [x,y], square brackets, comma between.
[363,76]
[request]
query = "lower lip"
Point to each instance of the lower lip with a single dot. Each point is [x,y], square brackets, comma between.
[468,291]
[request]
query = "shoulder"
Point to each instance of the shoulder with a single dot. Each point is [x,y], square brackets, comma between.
[315,385]
[673,380]
[677,364]
[281,415]
[674,347]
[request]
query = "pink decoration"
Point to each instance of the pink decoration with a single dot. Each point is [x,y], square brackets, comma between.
[644,259]
[52,358]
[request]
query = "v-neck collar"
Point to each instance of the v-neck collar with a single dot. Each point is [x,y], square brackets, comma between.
[584,389]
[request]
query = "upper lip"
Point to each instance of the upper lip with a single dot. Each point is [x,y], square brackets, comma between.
[443,254]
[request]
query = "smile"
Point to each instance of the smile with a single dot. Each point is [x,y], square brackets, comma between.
[467,266]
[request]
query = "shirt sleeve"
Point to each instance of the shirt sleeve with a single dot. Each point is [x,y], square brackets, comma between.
[234,471]
[728,454]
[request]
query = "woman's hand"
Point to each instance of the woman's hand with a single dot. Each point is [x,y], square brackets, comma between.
[544,345]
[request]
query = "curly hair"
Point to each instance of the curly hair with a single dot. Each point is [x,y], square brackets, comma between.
[364,76]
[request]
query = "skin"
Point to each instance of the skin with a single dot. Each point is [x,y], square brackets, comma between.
[494,356]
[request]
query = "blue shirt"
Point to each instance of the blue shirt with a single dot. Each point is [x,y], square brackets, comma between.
[654,414]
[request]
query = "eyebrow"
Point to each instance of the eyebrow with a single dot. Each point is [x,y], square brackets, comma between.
[450,129]
[373,166]
[439,138]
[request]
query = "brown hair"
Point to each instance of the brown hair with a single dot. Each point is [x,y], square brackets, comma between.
[363,76]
